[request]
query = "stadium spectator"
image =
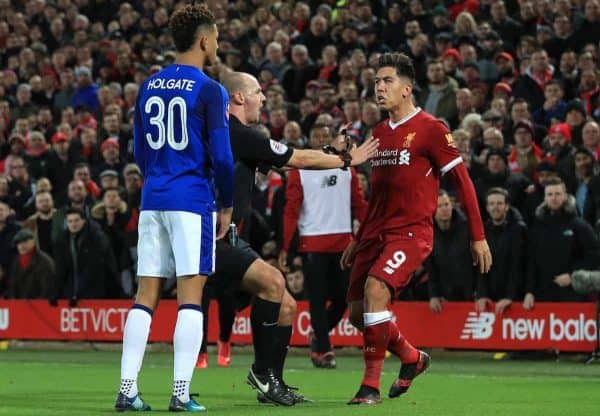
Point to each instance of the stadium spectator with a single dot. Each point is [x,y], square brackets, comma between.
[85,263]
[450,265]
[40,223]
[506,234]
[60,166]
[554,107]
[525,155]
[530,86]
[559,243]
[86,92]
[590,136]
[77,198]
[299,74]
[439,98]
[113,215]
[32,270]
[20,188]
[575,117]
[497,175]
[559,150]
[8,230]
[585,169]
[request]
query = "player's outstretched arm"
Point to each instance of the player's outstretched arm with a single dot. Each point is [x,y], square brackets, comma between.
[482,256]
[316,159]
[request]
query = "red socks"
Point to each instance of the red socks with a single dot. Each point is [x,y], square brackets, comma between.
[376,336]
[399,346]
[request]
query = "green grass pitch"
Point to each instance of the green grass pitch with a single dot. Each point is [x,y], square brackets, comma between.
[45,383]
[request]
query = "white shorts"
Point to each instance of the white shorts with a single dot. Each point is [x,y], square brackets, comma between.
[176,243]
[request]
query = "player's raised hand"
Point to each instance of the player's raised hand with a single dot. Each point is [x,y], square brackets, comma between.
[364,152]
[223,221]
[482,255]
[348,256]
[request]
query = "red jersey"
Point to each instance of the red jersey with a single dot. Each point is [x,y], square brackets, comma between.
[413,153]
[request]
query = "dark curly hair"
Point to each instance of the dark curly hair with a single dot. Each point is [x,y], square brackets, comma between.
[402,63]
[186,21]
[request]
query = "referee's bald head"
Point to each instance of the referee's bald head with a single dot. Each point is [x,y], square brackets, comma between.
[235,82]
[245,96]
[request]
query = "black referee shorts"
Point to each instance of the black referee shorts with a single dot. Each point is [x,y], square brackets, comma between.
[231,264]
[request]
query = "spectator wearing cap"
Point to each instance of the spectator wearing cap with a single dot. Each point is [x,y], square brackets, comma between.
[442,41]
[575,117]
[59,168]
[520,110]
[507,73]
[439,97]
[585,170]
[506,235]
[496,174]
[530,85]
[370,40]
[590,136]
[502,90]
[85,263]
[110,157]
[452,63]
[86,92]
[8,229]
[440,20]
[32,270]
[109,178]
[23,107]
[560,151]
[554,106]
[525,155]
[299,73]
[559,243]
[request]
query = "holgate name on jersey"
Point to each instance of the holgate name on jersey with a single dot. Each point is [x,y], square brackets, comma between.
[390,157]
[170,84]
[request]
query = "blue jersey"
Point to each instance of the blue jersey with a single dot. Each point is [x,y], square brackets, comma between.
[181,141]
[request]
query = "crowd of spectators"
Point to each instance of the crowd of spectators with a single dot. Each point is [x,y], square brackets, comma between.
[516,81]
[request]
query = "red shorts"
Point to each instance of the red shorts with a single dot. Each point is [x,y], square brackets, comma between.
[391,259]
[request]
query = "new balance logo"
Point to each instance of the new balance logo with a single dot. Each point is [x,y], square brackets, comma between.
[329,181]
[478,325]
[4,319]
[404,158]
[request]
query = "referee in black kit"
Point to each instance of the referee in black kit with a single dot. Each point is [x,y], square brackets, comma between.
[237,265]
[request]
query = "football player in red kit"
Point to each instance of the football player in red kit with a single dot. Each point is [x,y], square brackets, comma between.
[415,149]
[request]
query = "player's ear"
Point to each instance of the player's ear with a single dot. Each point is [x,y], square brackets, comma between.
[203,41]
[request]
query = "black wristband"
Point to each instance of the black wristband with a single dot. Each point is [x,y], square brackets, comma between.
[347,159]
